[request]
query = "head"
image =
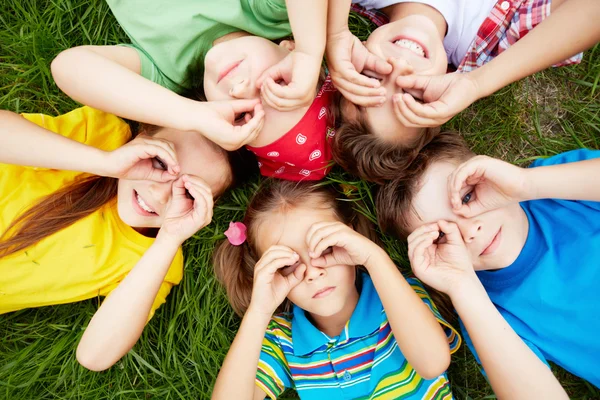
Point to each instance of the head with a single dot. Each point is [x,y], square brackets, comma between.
[359,151]
[414,38]
[281,213]
[196,156]
[420,196]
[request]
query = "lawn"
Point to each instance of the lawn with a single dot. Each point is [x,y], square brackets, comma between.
[181,349]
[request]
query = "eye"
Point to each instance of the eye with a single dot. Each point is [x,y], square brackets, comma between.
[441,239]
[188,195]
[159,164]
[467,198]
[289,269]
[240,118]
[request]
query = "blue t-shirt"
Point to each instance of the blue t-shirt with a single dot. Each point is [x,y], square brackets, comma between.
[550,294]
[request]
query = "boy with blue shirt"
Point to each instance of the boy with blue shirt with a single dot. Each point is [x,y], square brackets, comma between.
[532,236]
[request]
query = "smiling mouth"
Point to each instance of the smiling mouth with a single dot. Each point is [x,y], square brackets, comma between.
[229,69]
[411,45]
[324,292]
[142,207]
[493,244]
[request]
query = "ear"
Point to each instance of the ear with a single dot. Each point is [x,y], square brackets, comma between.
[289,45]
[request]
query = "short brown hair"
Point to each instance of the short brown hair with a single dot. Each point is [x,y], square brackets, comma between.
[234,265]
[362,153]
[394,199]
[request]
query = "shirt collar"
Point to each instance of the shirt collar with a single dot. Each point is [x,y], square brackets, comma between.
[365,319]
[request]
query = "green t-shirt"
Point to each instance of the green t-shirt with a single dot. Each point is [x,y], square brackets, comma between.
[170,35]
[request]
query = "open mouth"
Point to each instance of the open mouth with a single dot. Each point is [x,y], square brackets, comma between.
[411,45]
[141,207]
[229,69]
[324,292]
[493,244]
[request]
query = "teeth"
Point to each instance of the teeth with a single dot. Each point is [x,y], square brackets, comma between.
[143,204]
[410,45]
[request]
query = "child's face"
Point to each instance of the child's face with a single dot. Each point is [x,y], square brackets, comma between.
[232,69]
[494,239]
[324,292]
[195,156]
[415,42]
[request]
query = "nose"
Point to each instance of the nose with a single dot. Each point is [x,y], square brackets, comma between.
[469,228]
[160,191]
[243,89]
[313,273]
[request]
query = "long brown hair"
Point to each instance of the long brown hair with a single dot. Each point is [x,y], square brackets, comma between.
[57,211]
[234,265]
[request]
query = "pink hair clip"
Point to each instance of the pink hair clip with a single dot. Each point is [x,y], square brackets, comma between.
[236,234]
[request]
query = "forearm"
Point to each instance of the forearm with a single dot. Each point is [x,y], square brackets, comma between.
[24,143]
[419,335]
[337,16]
[94,76]
[513,370]
[236,379]
[570,29]
[570,181]
[119,322]
[308,19]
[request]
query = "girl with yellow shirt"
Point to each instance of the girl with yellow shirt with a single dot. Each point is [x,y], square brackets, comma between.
[85,212]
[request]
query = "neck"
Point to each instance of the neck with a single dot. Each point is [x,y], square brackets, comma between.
[400,10]
[333,325]
[230,36]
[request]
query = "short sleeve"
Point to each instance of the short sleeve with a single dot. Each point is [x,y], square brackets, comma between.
[150,70]
[88,126]
[469,344]
[273,375]
[454,339]
[571,157]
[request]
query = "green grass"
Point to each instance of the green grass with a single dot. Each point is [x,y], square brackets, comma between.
[181,349]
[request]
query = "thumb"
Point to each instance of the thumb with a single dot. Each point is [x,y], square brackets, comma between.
[296,277]
[274,73]
[471,209]
[379,65]
[450,229]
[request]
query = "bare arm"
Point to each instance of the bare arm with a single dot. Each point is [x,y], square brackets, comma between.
[570,29]
[308,19]
[236,379]
[119,322]
[24,143]
[514,371]
[419,335]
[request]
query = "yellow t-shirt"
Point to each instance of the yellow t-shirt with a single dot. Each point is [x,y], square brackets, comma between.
[87,259]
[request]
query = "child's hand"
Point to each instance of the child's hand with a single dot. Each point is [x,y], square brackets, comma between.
[347,57]
[443,97]
[232,124]
[441,262]
[190,210]
[333,243]
[291,83]
[271,284]
[483,183]
[143,158]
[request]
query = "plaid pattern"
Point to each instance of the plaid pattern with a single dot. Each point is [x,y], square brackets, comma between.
[375,16]
[508,22]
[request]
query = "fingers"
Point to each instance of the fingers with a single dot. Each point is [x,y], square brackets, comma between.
[406,116]
[245,105]
[250,130]
[364,95]
[421,230]
[324,261]
[453,235]
[275,73]
[420,253]
[277,252]
[414,82]
[296,277]
[428,237]
[377,64]
[203,201]
[316,233]
[283,98]
[165,150]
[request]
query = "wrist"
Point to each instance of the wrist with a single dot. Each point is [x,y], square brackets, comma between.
[377,258]
[257,314]
[168,240]
[467,290]
[530,190]
[100,164]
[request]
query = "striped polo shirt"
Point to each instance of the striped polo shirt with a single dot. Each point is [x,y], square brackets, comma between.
[363,362]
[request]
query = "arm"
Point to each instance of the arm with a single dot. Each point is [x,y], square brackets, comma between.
[119,321]
[107,78]
[514,371]
[237,377]
[238,373]
[308,19]
[570,29]
[420,337]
